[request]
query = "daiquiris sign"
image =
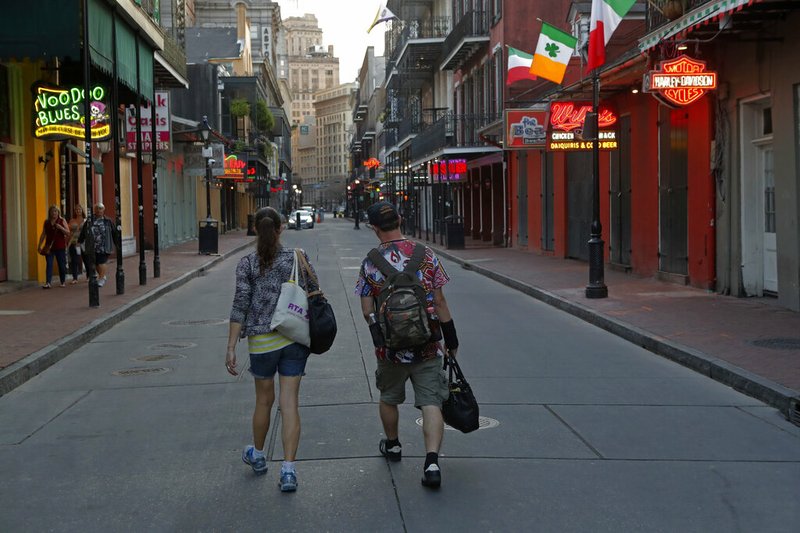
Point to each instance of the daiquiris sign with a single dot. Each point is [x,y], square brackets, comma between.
[566,127]
[58,113]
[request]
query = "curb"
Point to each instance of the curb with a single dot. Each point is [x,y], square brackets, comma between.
[741,380]
[26,368]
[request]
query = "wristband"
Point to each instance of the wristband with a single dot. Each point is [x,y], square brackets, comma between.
[449,335]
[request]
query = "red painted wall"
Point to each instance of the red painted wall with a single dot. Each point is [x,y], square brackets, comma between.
[701,201]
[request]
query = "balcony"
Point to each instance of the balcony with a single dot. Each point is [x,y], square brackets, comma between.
[388,139]
[416,46]
[469,35]
[452,131]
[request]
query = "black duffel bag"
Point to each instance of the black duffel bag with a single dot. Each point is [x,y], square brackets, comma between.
[321,320]
[460,410]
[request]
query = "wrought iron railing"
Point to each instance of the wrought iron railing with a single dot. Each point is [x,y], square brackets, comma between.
[409,30]
[472,24]
[661,12]
[452,131]
[388,138]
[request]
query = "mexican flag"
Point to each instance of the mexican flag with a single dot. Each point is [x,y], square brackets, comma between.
[606,16]
[519,65]
[552,54]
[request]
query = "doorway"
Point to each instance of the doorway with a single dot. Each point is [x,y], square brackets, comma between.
[3,221]
[548,199]
[759,229]
[522,198]
[620,246]
[673,257]
[579,204]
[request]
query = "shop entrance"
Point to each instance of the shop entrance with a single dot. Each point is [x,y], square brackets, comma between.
[3,221]
[672,191]
[579,204]
[620,246]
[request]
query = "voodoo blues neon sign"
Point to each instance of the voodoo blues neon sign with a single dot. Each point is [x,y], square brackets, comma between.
[59,113]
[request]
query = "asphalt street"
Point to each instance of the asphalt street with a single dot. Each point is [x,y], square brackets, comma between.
[141,429]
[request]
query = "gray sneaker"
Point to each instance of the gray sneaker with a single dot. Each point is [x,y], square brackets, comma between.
[258,464]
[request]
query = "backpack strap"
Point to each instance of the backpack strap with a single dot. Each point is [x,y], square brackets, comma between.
[381,263]
[417,256]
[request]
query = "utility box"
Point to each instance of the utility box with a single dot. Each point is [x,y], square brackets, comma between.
[208,236]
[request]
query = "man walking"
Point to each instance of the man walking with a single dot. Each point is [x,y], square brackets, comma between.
[421,364]
[104,235]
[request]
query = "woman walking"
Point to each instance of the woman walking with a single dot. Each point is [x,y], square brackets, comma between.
[75,252]
[259,276]
[53,245]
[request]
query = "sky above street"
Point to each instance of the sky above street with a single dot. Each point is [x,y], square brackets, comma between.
[344,24]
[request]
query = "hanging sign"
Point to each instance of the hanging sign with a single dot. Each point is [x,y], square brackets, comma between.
[566,126]
[372,163]
[525,128]
[235,167]
[58,113]
[162,125]
[680,81]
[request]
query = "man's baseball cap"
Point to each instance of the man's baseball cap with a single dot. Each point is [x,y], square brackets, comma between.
[382,214]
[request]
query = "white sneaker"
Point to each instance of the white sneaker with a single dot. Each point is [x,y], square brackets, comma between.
[101,281]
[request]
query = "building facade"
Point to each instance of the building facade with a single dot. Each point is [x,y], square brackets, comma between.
[333,117]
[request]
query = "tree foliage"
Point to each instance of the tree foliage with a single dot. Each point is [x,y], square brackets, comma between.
[240,107]
[264,119]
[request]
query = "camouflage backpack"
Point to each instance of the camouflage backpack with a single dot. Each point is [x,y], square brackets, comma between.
[401,305]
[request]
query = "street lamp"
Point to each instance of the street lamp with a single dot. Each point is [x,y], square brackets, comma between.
[356,193]
[205,133]
[208,238]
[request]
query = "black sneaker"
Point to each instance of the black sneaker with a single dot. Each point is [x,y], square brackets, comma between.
[432,476]
[394,454]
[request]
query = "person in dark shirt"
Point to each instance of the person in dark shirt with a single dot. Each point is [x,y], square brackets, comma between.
[53,245]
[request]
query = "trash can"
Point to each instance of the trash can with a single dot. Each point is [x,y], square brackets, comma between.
[208,236]
[454,232]
[251,224]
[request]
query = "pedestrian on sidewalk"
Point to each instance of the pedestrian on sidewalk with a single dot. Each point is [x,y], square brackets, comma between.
[422,365]
[76,255]
[53,245]
[259,276]
[105,239]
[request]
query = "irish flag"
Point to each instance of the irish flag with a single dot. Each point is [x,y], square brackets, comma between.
[606,16]
[552,54]
[519,65]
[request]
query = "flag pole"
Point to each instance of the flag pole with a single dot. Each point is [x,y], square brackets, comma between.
[597,287]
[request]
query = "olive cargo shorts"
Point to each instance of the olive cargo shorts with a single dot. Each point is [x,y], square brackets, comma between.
[427,378]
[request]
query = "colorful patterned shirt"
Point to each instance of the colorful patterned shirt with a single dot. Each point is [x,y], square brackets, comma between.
[431,274]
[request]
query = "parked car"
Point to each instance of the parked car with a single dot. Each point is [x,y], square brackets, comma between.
[306,219]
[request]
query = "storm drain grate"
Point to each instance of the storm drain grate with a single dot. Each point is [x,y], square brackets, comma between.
[484,422]
[203,322]
[158,357]
[778,343]
[128,372]
[173,345]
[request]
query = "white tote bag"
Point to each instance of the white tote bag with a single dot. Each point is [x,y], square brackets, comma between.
[291,314]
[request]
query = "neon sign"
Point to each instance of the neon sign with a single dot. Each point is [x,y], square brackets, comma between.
[372,163]
[59,113]
[566,126]
[681,81]
[234,167]
[448,170]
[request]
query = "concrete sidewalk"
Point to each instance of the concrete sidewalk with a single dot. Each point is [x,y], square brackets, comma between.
[40,327]
[749,344]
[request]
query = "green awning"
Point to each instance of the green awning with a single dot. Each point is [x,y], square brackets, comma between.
[146,70]
[100,42]
[126,55]
[41,29]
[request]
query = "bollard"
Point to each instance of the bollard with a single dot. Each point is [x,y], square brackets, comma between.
[297,220]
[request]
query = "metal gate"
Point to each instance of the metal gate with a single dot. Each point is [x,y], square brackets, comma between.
[620,247]
[579,204]
[548,233]
[673,191]
[522,198]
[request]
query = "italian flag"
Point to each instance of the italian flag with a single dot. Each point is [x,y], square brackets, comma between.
[519,65]
[552,54]
[606,16]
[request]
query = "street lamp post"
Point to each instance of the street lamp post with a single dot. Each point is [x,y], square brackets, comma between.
[356,194]
[208,238]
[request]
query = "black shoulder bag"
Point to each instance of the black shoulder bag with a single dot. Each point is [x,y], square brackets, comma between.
[460,410]
[321,320]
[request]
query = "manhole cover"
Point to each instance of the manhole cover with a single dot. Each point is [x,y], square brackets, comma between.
[139,371]
[778,343]
[204,322]
[172,345]
[484,422]
[158,357]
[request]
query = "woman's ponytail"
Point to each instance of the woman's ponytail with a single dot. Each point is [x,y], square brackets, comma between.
[268,226]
